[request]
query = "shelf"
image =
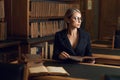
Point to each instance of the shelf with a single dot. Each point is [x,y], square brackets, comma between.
[55,0]
[8,43]
[38,40]
[41,19]
[47,18]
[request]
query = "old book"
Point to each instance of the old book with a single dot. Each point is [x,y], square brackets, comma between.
[82,59]
[48,70]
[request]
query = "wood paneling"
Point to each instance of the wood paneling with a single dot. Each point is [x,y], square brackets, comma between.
[90,18]
[108,18]
[20,18]
[8,16]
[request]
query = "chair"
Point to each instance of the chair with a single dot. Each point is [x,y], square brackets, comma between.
[12,71]
[105,42]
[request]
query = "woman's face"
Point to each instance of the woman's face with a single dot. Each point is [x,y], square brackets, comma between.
[75,20]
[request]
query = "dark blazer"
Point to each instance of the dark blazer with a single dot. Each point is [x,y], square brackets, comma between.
[61,43]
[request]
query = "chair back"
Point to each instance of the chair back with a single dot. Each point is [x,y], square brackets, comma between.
[11,71]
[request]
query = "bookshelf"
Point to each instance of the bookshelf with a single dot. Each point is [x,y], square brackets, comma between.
[9,49]
[36,21]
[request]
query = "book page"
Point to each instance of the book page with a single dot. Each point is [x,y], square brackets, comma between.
[80,59]
[38,69]
[76,58]
[56,69]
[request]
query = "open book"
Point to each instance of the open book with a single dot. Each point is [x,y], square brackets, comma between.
[48,70]
[82,59]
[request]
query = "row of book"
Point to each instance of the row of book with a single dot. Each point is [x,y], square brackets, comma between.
[3,31]
[2,13]
[45,50]
[49,8]
[45,28]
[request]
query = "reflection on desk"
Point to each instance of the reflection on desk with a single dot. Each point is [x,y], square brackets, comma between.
[107,56]
[87,71]
[55,78]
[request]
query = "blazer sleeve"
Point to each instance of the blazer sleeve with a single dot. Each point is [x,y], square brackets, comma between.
[88,51]
[57,46]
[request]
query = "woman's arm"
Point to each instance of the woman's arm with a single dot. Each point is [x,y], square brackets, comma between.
[58,52]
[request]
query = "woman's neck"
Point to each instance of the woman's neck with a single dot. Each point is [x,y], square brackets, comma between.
[72,32]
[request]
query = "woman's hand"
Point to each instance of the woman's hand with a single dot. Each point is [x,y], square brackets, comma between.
[93,62]
[64,55]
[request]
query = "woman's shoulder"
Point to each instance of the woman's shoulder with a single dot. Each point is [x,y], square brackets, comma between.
[84,34]
[82,31]
[61,32]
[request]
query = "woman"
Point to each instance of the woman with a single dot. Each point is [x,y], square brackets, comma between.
[73,40]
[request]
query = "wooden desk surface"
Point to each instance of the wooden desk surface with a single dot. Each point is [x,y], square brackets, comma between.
[55,78]
[87,71]
[107,56]
[106,51]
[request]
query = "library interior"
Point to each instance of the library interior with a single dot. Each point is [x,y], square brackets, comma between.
[27,34]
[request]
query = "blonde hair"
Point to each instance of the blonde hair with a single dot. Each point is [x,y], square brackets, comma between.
[69,13]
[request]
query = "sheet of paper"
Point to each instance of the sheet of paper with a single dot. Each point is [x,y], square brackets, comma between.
[56,69]
[38,69]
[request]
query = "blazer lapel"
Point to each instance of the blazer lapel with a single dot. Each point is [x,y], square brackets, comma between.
[81,41]
[66,42]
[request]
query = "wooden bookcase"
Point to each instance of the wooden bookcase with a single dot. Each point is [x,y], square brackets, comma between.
[9,50]
[36,21]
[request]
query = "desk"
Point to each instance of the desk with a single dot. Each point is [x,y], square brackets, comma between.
[7,47]
[107,59]
[107,56]
[87,71]
[84,70]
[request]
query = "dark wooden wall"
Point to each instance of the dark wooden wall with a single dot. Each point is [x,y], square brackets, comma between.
[108,18]
[103,19]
